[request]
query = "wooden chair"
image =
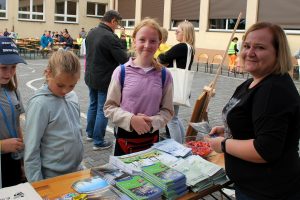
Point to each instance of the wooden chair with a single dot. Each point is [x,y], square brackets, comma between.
[203,60]
[217,59]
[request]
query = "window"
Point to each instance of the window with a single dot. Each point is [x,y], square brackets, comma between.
[185,10]
[223,17]
[31,10]
[280,12]
[3,9]
[95,9]
[128,23]
[153,9]
[175,23]
[226,24]
[66,11]
[127,10]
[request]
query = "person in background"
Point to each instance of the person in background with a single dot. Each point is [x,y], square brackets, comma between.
[46,41]
[6,33]
[65,31]
[140,116]
[11,107]
[185,35]
[79,42]
[83,33]
[239,67]
[232,53]
[61,36]
[104,53]
[261,130]
[163,47]
[67,40]
[53,131]
[125,39]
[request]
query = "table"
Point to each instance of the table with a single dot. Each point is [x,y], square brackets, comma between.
[58,186]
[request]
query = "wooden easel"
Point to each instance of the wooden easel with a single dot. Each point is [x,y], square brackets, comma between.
[200,109]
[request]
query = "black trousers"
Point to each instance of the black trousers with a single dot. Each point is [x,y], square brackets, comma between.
[10,170]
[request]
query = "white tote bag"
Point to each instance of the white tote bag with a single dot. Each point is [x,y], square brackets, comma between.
[182,81]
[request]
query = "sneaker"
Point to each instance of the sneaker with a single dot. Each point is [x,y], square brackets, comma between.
[89,139]
[105,145]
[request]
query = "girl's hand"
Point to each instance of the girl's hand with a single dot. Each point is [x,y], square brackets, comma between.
[12,145]
[141,123]
[217,131]
[215,143]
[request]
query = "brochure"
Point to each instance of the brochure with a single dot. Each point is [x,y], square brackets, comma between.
[90,185]
[139,188]
[23,191]
[172,147]
[132,163]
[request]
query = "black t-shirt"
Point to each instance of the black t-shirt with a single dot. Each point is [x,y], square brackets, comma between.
[269,113]
[178,52]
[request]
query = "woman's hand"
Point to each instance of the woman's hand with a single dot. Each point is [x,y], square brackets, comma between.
[141,123]
[215,137]
[217,131]
[12,145]
[215,143]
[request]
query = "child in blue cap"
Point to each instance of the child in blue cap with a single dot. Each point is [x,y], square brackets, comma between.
[11,107]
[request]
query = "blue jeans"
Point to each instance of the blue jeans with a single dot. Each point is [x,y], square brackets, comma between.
[176,128]
[96,121]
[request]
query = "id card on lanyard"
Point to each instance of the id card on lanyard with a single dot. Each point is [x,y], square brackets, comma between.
[11,127]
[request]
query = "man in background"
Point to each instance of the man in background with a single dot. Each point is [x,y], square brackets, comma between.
[83,33]
[104,53]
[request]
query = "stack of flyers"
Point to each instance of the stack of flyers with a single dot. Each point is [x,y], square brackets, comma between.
[172,147]
[200,173]
[132,163]
[171,181]
[138,188]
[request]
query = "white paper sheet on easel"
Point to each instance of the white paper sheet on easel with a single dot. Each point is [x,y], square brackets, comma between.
[22,191]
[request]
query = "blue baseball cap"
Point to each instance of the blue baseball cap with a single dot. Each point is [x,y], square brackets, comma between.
[9,54]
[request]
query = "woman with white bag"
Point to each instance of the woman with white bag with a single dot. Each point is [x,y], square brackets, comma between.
[180,56]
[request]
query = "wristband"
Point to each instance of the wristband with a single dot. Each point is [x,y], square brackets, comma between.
[223,145]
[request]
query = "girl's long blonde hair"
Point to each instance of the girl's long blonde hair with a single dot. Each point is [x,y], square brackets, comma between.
[188,33]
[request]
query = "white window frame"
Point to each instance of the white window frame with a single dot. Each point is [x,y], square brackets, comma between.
[226,28]
[127,21]
[173,27]
[30,12]
[96,9]
[65,16]
[4,11]
[292,32]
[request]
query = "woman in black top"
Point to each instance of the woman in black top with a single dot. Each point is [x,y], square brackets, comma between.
[261,129]
[185,34]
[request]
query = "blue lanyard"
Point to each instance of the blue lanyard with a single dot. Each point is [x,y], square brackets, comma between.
[11,130]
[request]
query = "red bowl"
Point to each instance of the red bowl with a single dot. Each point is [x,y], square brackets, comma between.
[200,148]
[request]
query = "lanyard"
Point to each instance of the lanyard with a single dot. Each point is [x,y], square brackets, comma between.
[11,130]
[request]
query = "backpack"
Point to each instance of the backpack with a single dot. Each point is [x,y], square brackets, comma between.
[163,76]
